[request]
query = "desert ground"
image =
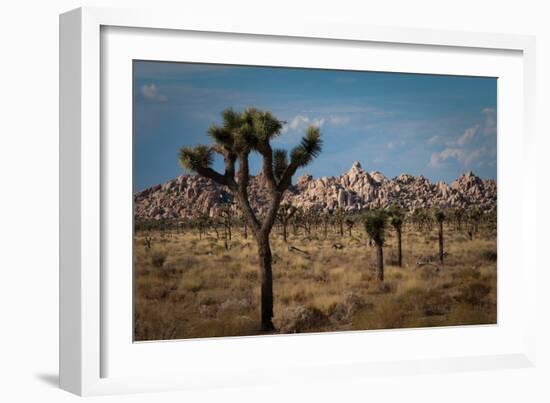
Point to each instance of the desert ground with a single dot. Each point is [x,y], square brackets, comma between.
[196,285]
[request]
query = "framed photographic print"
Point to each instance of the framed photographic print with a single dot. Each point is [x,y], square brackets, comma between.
[237,198]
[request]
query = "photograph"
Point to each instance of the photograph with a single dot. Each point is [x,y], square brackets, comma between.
[282,200]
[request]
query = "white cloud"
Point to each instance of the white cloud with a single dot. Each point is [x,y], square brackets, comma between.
[490,123]
[339,120]
[464,156]
[468,148]
[298,121]
[318,122]
[469,133]
[301,121]
[151,93]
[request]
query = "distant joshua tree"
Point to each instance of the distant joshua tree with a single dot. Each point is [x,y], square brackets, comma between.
[285,213]
[396,221]
[458,214]
[474,217]
[241,134]
[203,222]
[440,218]
[349,225]
[326,218]
[375,225]
[226,218]
[339,216]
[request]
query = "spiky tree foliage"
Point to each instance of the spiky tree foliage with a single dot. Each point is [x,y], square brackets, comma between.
[375,226]
[285,213]
[439,216]
[396,220]
[241,134]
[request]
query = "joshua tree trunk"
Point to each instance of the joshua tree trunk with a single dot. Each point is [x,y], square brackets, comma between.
[399,252]
[284,231]
[441,241]
[264,252]
[380,261]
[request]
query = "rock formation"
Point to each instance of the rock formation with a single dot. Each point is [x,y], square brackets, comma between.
[355,190]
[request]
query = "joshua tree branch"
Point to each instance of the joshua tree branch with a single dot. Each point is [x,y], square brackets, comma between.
[272,212]
[211,174]
[242,193]
[286,179]
[267,168]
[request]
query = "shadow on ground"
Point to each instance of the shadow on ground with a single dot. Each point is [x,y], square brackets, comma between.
[49,379]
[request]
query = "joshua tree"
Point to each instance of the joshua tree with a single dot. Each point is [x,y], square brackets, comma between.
[349,225]
[396,220]
[241,134]
[326,218]
[339,215]
[226,218]
[375,225]
[285,213]
[203,222]
[440,218]
[474,217]
[459,217]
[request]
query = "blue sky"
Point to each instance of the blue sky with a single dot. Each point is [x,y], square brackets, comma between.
[436,126]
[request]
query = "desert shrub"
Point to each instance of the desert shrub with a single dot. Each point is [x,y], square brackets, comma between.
[321,276]
[158,258]
[236,305]
[387,314]
[426,301]
[367,277]
[343,311]
[387,287]
[474,293]
[429,273]
[397,275]
[239,326]
[169,271]
[154,321]
[207,300]
[466,275]
[251,275]
[208,311]
[299,296]
[490,255]
[299,319]
[467,314]
[193,284]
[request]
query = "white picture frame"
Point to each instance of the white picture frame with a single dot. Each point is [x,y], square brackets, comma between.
[87,342]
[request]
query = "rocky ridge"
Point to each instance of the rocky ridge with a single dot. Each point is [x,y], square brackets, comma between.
[355,190]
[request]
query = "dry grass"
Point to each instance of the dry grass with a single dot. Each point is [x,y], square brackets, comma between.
[189,288]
